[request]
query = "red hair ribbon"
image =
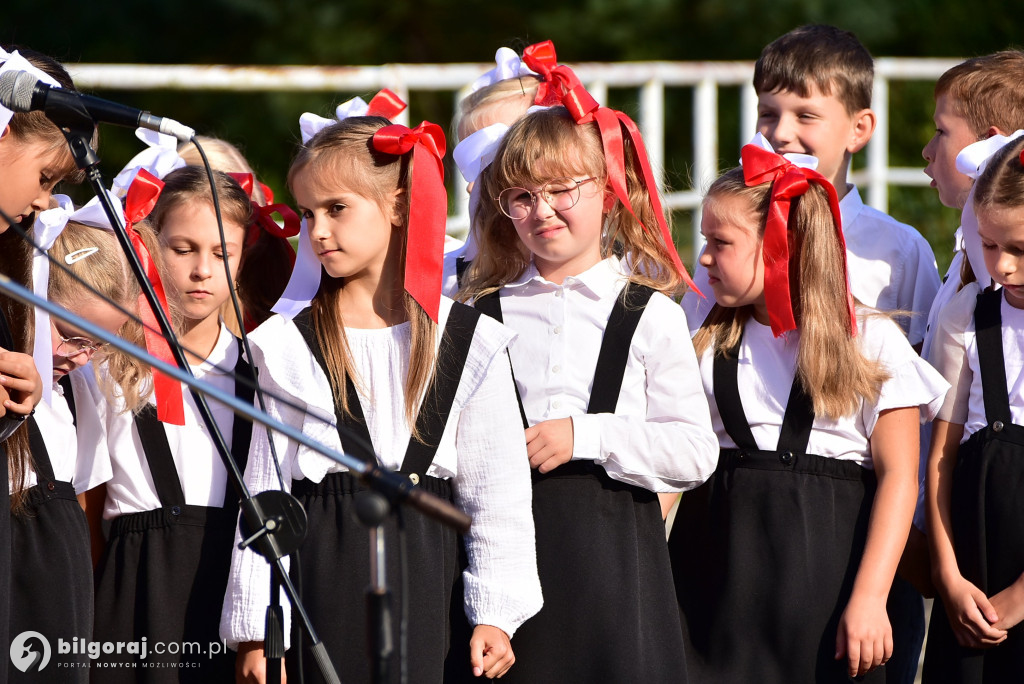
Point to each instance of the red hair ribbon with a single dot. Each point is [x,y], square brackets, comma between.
[559,85]
[788,181]
[583,108]
[139,202]
[428,208]
[263,214]
[386,104]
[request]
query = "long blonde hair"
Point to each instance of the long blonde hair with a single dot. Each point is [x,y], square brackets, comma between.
[833,371]
[344,150]
[547,144]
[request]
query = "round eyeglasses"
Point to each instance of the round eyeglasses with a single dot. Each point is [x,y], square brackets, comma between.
[560,194]
[73,346]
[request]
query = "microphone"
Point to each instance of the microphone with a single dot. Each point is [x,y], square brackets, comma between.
[20,91]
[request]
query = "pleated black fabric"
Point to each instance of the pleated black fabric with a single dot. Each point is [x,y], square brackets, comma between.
[765,553]
[335,568]
[987,519]
[51,579]
[164,572]
[609,612]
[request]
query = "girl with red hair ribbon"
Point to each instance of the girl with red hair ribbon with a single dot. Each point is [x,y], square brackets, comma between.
[425,382]
[784,558]
[611,404]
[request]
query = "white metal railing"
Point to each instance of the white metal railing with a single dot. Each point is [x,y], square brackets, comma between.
[650,78]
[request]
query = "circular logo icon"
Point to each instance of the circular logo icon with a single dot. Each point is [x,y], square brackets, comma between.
[30,652]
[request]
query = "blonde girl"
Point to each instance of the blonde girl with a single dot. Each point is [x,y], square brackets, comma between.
[784,559]
[972,485]
[375,350]
[610,395]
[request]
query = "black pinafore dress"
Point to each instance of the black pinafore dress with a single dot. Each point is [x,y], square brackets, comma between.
[335,568]
[766,551]
[164,572]
[609,613]
[51,575]
[987,517]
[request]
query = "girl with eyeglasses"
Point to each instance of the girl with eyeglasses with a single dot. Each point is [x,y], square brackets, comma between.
[51,574]
[611,399]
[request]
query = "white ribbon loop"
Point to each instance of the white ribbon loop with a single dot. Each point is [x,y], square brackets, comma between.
[13,61]
[507,64]
[159,158]
[310,124]
[972,162]
[47,228]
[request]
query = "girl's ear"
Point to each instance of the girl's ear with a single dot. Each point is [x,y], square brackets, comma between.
[399,207]
[609,200]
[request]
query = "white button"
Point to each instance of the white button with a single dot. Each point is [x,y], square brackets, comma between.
[558,330]
[558,293]
[556,369]
[556,403]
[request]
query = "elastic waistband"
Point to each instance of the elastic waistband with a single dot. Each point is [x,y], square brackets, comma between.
[787,461]
[195,516]
[346,484]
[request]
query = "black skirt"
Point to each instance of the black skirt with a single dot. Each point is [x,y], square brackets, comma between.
[764,555]
[162,579]
[988,537]
[335,573]
[609,611]
[51,581]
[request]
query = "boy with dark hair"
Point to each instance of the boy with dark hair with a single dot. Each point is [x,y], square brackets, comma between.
[814,97]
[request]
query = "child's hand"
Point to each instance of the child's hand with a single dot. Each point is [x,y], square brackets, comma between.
[251,664]
[1009,605]
[971,615]
[490,652]
[864,637]
[549,444]
[21,386]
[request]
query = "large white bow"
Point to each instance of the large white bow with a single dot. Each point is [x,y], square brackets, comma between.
[159,158]
[971,162]
[13,61]
[507,64]
[804,161]
[310,124]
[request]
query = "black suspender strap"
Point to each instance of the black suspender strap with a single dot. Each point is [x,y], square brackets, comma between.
[440,396]
[158,456]
[355,422]
[40,456]
[618,336]
[727,398]
[438,399]
[69,397]
[988,326]
[241,428]
[490,304]
[796,423]
[158,450]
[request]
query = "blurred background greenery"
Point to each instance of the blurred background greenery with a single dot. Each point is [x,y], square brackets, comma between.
[369,32]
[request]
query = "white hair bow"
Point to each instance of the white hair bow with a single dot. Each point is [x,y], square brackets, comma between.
[13,61]
[804,161]
[310,124]
[159,158]
[971,162]
[508,65]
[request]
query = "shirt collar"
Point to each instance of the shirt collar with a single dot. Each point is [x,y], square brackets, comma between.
[850,206]
[223,357]
[603,279]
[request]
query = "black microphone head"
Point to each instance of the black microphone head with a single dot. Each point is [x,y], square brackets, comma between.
[16,88]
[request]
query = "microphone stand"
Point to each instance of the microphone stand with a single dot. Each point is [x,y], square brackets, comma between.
[275,519]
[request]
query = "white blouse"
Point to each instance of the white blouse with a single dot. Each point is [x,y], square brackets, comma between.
[203,477]
[62,438]
[482,451]
[956,356]
[767,366]
[660,436]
